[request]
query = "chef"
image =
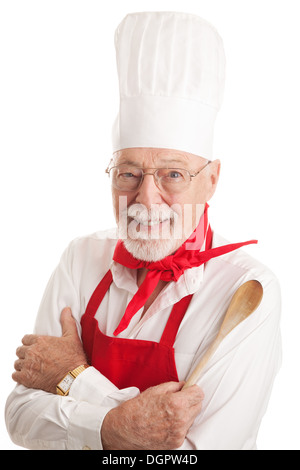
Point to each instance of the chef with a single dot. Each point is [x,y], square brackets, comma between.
[127,314]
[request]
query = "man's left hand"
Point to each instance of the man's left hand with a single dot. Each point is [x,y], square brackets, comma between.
[45,360]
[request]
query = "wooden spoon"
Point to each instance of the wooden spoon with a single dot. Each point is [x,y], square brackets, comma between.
[244,302]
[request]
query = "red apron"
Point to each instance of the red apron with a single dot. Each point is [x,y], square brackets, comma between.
[131,362]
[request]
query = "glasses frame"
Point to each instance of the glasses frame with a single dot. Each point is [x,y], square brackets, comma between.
[192,175]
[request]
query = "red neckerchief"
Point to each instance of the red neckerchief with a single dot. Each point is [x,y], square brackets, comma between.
[171,267]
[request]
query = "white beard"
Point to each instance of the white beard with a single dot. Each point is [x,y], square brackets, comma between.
[150,250]
[150,235]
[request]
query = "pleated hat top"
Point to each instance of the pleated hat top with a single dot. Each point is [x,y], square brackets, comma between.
[171,70]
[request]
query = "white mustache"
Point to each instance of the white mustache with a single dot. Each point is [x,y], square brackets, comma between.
[156,214]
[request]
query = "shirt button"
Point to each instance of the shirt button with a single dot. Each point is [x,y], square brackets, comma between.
[86,448]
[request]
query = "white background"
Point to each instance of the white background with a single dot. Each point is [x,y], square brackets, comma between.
[58,100]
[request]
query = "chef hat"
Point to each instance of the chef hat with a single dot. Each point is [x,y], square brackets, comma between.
[171,69]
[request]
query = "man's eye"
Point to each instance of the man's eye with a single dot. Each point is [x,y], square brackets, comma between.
[174,175]
[127,175]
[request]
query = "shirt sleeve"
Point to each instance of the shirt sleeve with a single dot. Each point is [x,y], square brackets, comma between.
[238,380]
[39,420]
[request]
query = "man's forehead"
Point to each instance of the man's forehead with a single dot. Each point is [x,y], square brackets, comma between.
[139,156]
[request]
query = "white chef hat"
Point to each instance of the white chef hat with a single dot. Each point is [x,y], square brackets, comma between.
[171,69]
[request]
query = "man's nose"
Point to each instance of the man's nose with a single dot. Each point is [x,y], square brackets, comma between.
[148,192]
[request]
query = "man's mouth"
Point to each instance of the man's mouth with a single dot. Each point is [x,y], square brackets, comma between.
[153,228]
[141,223]
[152,222]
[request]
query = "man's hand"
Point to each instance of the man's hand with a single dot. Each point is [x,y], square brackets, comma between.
[159,418]
[45,360]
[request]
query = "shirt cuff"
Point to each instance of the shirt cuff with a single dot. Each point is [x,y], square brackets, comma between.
[93,387]
[96,396]
[84,427]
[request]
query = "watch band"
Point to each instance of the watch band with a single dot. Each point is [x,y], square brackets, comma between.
[64,385]
[78,370]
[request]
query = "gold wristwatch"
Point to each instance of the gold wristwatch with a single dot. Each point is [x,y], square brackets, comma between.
[64,385]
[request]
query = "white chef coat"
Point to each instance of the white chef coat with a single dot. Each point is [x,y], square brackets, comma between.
[237,381]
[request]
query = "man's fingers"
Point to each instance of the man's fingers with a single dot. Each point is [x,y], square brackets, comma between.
[192,393]
[20,352]
[28,340]
[15,376]
[195,393]
[18,365]
[68,323]
[164,388]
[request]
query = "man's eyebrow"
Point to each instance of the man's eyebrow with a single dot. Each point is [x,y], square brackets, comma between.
[161,162]
[123,161]
[172,161]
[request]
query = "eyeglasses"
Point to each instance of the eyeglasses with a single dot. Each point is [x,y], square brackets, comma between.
[126,177]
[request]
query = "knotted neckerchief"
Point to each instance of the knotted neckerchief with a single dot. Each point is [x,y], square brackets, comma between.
[171,267]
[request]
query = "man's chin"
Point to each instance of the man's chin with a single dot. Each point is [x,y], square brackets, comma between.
[150,250]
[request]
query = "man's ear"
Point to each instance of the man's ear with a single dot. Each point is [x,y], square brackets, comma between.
[215,168]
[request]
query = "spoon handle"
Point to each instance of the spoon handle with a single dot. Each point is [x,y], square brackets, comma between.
[202,363]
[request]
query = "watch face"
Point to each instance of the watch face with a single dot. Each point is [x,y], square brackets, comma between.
[66,383]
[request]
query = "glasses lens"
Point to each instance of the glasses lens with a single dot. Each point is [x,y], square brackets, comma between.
[173,180]
[126,177]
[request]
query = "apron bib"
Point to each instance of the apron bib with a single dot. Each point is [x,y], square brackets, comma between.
[131,362]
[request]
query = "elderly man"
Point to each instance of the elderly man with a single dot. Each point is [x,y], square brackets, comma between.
[126,316]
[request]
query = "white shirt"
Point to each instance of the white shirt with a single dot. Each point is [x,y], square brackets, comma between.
[237,381]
